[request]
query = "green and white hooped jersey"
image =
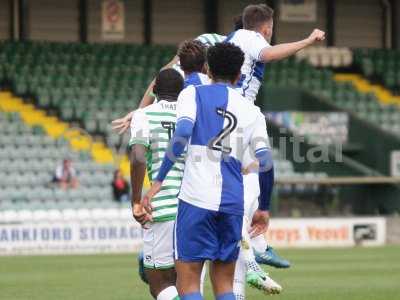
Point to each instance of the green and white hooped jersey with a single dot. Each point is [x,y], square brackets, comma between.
[153,127]
[210,39]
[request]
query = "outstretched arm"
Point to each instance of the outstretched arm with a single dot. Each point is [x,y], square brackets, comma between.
[122,124]
[285,50]
[148,97]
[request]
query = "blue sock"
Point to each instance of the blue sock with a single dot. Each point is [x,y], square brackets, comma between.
[193,296]
[227,296]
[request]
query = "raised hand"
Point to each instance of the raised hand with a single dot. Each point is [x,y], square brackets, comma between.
[316,36]
[122,124]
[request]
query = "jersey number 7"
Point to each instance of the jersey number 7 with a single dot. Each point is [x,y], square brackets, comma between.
[170,126]
[216,142]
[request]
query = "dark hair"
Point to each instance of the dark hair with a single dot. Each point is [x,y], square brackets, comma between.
[192,56]
[238,22]
[225,61]
[255,15]
[168,84]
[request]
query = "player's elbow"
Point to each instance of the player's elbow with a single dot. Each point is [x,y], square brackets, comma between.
[184,129]
[265,160]
[274,53]
[268,55]
[266,166]
[184,132]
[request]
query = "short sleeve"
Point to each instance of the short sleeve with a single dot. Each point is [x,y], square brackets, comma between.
[140,133]
[186,106]
[259,140]
[177,67]
[255,44]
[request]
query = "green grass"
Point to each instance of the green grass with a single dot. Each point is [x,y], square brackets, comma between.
[322,274]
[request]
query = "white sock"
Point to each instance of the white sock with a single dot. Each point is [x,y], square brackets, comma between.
[239,280]
[247,249]
[203,277]
[170,293]
[259,243]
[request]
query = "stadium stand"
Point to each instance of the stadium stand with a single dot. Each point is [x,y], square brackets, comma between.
[86,83]
[347,92]
[28,158]
[327,56]
[380,64]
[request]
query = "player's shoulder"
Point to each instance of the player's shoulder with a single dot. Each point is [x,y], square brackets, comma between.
[245,35]
[190,89]
[154,108]
[144,110]
[204,79]
[187,92]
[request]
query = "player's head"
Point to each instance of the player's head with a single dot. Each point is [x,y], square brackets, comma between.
[238,22]
[168,85]
[67,163]
[224,62]
[192,56]
[260,18]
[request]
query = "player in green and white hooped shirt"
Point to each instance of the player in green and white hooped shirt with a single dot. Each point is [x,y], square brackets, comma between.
[151,129]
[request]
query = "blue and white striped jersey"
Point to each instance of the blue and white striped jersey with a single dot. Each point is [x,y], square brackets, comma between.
[196,79]
[225,124]
[251,43]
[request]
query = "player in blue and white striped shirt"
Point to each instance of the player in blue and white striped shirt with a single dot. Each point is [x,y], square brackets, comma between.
[192,59]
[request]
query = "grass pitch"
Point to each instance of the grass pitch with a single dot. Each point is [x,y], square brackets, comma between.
[321,274]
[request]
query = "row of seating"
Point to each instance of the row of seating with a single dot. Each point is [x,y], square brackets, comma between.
[343,94]
[91,84]
[327,56]
[27,171]
[28,160]
[318,128]
[381,63]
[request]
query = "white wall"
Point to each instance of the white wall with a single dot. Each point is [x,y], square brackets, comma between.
[133,21]
[177,20]
[4,19]
[292,31]
[53,20]
[358,23]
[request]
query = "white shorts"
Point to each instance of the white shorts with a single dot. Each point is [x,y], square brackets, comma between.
[158,250]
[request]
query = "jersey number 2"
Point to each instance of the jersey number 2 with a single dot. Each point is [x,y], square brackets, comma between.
[216,142]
